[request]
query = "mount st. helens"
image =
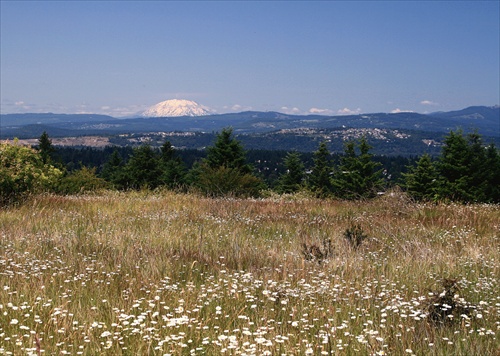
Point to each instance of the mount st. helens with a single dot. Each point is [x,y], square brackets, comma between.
[175,108]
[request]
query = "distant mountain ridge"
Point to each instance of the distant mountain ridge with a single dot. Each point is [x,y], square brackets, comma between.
[472,113]
[49,118]
[484,119]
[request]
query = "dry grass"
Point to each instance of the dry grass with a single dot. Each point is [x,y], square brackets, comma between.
[143,273]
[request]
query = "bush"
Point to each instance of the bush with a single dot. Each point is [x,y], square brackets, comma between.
[22,172]
[81,181]
[223,181]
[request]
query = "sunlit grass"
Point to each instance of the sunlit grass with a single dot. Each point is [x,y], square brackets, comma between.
[165,273]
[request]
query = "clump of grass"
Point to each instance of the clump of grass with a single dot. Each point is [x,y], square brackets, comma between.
[314,252]
[355,235]
[444,308]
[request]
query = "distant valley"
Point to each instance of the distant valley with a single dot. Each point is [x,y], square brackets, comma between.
[390,134]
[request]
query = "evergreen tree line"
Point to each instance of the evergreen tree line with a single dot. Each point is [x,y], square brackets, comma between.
[467,170]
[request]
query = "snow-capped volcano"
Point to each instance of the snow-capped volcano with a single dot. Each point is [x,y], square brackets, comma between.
[176,107]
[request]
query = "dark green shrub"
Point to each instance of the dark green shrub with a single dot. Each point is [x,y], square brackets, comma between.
[355,235]
[81,181]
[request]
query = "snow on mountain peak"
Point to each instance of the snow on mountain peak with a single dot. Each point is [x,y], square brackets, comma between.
[176,107]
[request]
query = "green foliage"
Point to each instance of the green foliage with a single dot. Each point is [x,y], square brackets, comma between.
[114,172]
[453,167]
[225,171]
[469,170]
[143,170]
[173,169]
[81,181]
[492,178]
[226,181]
[358,176]
[45,147]
[22,172]
[466,171]
[227,152]
[421,181]
[292,180]
[146,168]
[320,180]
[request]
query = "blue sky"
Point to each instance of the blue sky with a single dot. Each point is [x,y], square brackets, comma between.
[330,57]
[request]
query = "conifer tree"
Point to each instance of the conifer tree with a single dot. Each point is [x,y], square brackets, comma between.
[174,172]
[453,167]
[225,170]
[227,152]
[113,171]
[320,179]
[492,162]
[421,181]
[358,176]
[45,147]
[143,169]
[469,171]
[292,180]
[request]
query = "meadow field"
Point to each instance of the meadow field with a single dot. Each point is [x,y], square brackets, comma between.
[142,273]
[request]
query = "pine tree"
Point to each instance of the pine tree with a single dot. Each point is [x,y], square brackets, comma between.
[292,180]
[225,170]
[478,170]
[465,169]
[113,170]
[167,152]
[143,169]
[421,181]
[453,166]
[358,176]
[469,170]
[492,161]
[320,178]
[227,152]
[45,147]
[174,172]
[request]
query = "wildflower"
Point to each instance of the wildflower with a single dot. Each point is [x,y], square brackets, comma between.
[14,322]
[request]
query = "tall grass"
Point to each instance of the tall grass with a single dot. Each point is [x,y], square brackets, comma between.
[165,273]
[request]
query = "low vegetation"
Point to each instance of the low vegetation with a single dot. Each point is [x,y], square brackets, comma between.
[143,273]
[147,257]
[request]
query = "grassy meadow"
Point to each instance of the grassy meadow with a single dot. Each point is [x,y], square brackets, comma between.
[144,273]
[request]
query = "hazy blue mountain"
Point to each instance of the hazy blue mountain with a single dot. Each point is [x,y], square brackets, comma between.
[401,134]
[49,118]
[486,120]
[480,117]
